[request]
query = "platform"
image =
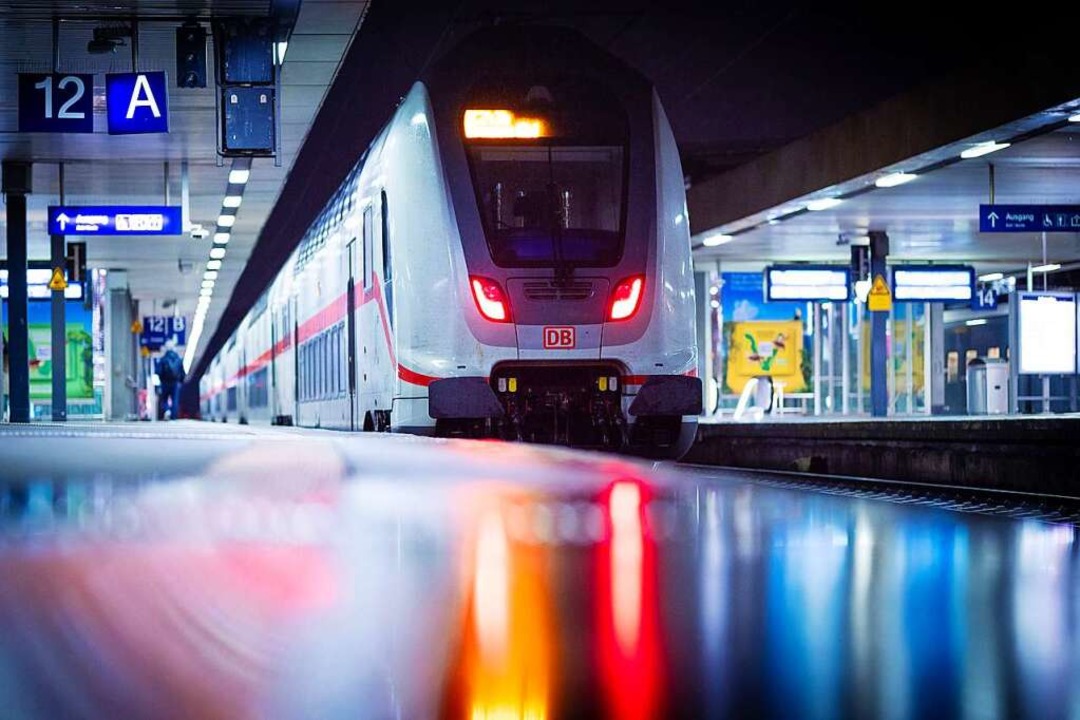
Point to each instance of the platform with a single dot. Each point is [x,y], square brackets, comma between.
[1033,454]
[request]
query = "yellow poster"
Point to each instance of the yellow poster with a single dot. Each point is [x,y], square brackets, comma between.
[902,336]
[770,348]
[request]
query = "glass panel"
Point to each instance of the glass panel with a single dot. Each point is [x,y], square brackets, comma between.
[543,206]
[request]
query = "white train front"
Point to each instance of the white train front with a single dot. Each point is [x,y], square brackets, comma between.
[510,258]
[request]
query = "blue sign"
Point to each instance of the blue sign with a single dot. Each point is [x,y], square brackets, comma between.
[56,103]
[1029,218]
[137,103]
[115,220]
[157,329]
[986,298]
[933,283]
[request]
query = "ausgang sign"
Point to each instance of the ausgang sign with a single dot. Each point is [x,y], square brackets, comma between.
[115,220]
[1029,218]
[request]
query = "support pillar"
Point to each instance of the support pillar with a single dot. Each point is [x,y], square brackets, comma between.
[16,186]
[59,325]
[879,357]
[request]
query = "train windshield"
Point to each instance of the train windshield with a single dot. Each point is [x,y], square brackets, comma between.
[550,179]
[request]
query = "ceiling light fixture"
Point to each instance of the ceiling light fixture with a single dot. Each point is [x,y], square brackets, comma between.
[206,292]
[232,201]
[239,177]
[716,239]
[208,283]
[1075,118]
[894,179]
[991,277]
[975,322]
[210,275]
[1049,267]
[984,148]
[217,253]
[214,264]
[226,221]
[823,204]
[221,238]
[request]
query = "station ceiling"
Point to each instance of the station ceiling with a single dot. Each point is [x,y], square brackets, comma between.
[165,274]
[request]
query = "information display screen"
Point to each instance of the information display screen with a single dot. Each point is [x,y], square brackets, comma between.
[821,283]
[1047,330]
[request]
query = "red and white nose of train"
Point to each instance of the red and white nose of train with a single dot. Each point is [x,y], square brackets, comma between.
[569,199]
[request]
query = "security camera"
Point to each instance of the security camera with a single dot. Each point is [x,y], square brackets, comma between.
[199,233]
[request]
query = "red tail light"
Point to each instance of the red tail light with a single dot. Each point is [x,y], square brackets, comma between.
[626,298]
[490,299]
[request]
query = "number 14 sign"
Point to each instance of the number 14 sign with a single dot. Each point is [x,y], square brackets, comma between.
[59,103]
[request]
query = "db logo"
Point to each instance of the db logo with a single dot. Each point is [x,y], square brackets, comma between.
[562,338]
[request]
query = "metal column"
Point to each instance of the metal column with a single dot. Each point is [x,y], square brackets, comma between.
[16,186]
[879,360]
[59,325]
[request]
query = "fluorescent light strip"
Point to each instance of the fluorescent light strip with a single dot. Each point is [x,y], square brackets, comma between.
[210,275]
[823,204]
[1051,267]
[898,178]
[715,239]
[217,253]
[221,238]
[991,277]
[1075,118]
[975,322]
[226,221]
[239,177]
[983,149]
[214,264]
[232,201]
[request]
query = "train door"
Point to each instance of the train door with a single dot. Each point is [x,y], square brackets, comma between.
[350,330]
[365,348]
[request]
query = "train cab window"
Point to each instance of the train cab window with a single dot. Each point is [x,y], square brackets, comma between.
[549,167]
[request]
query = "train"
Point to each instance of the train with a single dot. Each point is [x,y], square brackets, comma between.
[509,258]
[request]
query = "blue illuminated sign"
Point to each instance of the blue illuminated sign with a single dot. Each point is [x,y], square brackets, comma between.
[933,283]
[115,220]
[137,103]
[1029,218]
[56,103]
[159,328]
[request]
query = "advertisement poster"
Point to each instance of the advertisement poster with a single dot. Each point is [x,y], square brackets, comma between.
[905,338]
[79,351]
[762,339]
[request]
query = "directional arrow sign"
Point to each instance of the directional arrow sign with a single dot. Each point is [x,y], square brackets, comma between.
[1029,218]
[115,220]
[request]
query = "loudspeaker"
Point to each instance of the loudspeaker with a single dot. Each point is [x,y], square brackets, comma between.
[191,56]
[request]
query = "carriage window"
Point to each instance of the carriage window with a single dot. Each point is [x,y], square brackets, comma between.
[368,239]
[387,268]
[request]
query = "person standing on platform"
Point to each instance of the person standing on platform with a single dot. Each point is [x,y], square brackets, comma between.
[170,371]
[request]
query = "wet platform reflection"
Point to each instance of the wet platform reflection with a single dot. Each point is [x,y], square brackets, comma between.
[401,578]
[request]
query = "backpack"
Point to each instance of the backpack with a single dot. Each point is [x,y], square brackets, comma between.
[171,368]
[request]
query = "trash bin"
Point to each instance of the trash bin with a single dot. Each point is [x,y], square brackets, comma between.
[987,386]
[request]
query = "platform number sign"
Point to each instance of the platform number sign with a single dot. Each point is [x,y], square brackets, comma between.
[985,298]
[156,329]
[56,103]
[137,103]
